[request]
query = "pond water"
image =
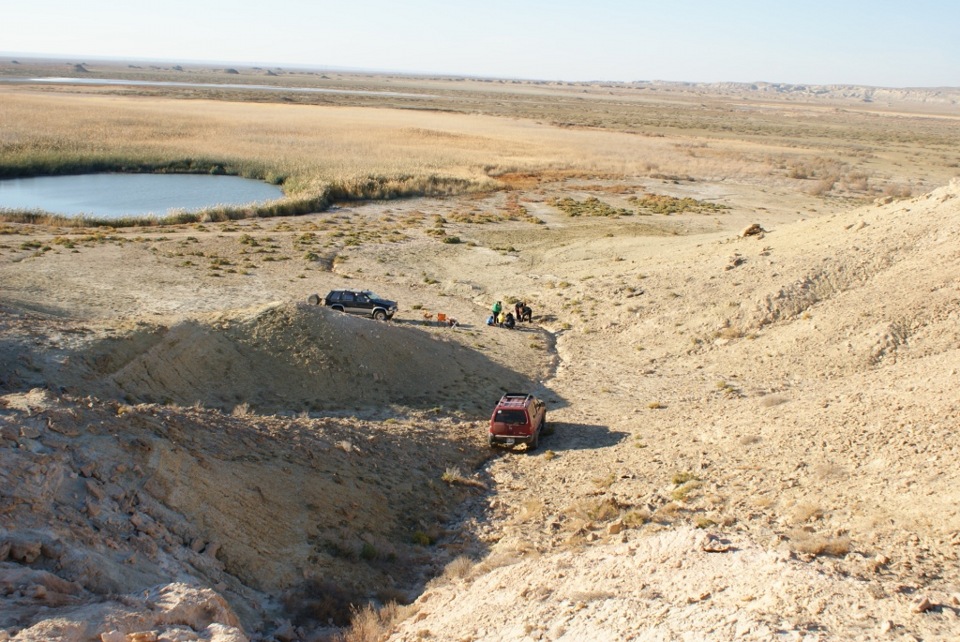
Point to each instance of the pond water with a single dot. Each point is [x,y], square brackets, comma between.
[122,195]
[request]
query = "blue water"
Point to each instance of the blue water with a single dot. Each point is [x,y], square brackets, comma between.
[122,195]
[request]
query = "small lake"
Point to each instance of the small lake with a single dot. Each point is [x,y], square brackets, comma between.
[122,195]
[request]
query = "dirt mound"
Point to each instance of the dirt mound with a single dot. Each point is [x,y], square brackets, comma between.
[905,309]
[288,357]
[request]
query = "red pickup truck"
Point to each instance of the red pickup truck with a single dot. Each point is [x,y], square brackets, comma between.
[519,418]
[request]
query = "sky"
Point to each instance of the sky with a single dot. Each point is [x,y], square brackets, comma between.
[879,43]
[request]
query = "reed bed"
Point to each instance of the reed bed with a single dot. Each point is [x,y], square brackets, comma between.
[325,154]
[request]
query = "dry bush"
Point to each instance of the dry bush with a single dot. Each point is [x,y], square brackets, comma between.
[729,332]
[683,492]
[496,560]
[592,206]
[822,186]
[594,510]
[365,626]
[318,602]
[636,517]
[460,568]
[762,501]
[857,181]
[453,476]
[808,543]
[591,596]
[668,512]
[897,191]
[702,521]
[368,624]
[531,508]
[605,481]
[667,205]
[805,512]
[512,555]
[799,171]
[683,478]
[241,410]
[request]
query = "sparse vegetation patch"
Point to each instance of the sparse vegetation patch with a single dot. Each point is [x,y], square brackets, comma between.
[589,207]
[667,205]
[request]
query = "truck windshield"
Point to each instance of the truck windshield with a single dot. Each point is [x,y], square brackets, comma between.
[510,417]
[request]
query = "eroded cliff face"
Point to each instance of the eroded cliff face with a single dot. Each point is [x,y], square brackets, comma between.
[131,518]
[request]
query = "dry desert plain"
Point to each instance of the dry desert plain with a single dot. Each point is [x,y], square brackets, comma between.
[753,436]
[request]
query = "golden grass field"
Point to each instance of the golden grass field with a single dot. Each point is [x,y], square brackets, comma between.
[465,135]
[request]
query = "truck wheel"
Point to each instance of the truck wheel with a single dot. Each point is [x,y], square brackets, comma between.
[534,440]
[490,441]
[379,315]
[314,299]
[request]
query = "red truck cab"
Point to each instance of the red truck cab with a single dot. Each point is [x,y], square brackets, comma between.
[519,418]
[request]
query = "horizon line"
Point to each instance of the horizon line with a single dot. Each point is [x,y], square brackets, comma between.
[72,59]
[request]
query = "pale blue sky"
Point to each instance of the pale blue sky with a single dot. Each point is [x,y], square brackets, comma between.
[875,42]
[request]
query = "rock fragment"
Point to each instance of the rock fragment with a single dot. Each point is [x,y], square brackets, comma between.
[924,605]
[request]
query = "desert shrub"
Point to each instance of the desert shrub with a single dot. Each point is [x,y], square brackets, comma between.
[663,204]
[595,510]
[241,410]
[703,522]
[636,517]
[368,624]
[857,181]
[459,568]
[683,478]
[422,539]
[805,512]
[453,476]
[318,602]
[589,207]
[808,543]
[368,551]
[897,191]
[591,596]
[822,186]
[683,491]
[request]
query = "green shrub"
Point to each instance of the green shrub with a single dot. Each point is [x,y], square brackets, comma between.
[422,539]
